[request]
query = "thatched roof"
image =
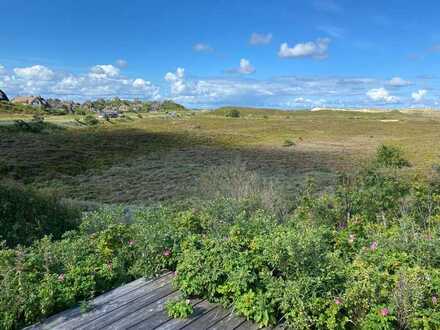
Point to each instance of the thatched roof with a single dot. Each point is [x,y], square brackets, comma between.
[24,99]
[30,100]
[3,96]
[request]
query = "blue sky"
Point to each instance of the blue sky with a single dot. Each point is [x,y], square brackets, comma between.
[272,53]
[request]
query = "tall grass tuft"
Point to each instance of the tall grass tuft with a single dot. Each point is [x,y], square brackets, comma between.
[240,184]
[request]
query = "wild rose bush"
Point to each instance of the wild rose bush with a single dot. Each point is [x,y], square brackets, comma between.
[314,276]
[364,257]
[112,246]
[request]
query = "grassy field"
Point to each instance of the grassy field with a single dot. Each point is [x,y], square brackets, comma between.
[362,256]
[159,157]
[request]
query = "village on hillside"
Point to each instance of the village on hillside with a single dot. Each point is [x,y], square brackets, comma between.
[112,108]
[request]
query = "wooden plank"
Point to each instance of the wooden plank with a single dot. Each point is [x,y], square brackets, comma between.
[158,318]
[199,310]
[208,319]
[143,297]
[59,318]
[103,304]
[230,322]
[248,325]
[142,314]
[140,305]
[115,315]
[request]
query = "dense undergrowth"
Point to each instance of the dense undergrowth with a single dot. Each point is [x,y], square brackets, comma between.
[26,216]
[366,256]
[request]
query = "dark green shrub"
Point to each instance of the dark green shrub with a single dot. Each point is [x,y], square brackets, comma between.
[375,195]
[26,215]
[91,120]
[359,258]
[252,266]
[233,113]
[389,156]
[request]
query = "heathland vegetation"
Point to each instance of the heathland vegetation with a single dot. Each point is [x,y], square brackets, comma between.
[320,220]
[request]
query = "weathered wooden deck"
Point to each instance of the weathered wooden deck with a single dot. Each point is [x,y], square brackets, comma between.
[140,305]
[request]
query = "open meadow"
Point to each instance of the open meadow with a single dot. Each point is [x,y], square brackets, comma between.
[305,219]
[159,157]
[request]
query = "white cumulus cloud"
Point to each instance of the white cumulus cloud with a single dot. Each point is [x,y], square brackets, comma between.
[102,81]
[141,83]
[381,95]
[39,72]
[419,95]
[260,38]
[68,83]
[241,90]
[275,92]
[177,81]
[314,49]
[104,71]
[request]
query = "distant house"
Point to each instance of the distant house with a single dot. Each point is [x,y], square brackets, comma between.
[124,108]
[155,107]
[67,106]
[3,96]
[34,101]
[108,113]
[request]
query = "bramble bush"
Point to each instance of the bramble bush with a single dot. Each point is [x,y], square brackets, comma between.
[366,256]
